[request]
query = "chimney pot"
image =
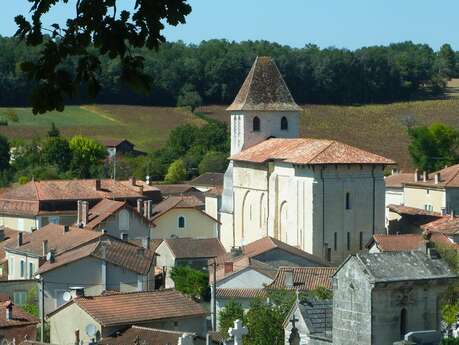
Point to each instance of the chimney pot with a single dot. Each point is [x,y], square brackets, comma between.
[424,176]
[66,228]
[145,209]
[84,213]
[229,267]
[98,184]
[416,175]
[149,207]
[51,256]
[44,247]
[437,178]
[20,238]
[452,214]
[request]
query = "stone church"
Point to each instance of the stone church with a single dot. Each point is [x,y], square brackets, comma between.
[322,196]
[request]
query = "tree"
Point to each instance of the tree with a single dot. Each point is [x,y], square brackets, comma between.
[4,153]
[176,172]
[98,27]
[189,97]
[265,324]
[87,154]
[213,162]
[228,314]
[431,148]
[190,281]
[56,151]
[53,132]
[446,61]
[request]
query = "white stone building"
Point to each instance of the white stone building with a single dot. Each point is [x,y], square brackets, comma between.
[322,196]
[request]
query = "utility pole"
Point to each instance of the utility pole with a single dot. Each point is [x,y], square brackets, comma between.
[214,296]
[42,311]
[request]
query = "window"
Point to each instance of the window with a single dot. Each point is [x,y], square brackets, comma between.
[284,124]
[123,220]
[256,124]
[428,207]
[348,201]
[335,244]
[361,240]
[403,321]
[22,268]
[31,270]
[181,222]
[348,241]
[124,236]
[20,297]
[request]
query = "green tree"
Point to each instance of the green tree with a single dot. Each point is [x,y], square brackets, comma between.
[446,61]
[56,151]
[176,172]
[97,28]
[431,148]
[189,97]
[53,131]
[265,324]
[190,281]
[231,312]
[213,162]
[87,155]
[4,153]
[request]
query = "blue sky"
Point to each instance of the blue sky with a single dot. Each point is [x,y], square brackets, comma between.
[340,23]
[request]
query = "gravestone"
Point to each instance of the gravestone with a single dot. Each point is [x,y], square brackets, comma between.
[424,337]
[186,339]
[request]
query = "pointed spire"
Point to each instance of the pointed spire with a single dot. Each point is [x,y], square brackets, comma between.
[264,89]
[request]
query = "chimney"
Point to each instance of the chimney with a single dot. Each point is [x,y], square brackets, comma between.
[393,171]
[84,213]
[146,242]
[66,228]
[147,180]
[76,291]
[443,211]
[34,229]
[2,232]
[20,238]
[452,214]
[44,246]
[141,189]
[149,209]
[424,176]
[437,178]
[9,310]
[79,209]
[98,184]
[132,181]
[104,231]
[51,256]
[288,278]
[139,206]
[416,175]
[228,267]
[145,209]
[77,337]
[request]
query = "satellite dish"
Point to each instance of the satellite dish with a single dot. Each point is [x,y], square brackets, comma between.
[66,296]
[91,330]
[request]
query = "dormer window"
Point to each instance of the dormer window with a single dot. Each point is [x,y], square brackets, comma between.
[284,124]
[256,124]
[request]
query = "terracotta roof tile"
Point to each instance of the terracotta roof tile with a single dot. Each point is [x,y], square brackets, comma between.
[264,89]
[20,317]
[103,210]
[449,177]
[177,189]
[398,179]
[187,248]
[144,336]
[10,237]
[57,238]
[230,293]
[445,225]
[208,179]
[405,242]
[308,151]
[412,211]
[304,278]
[240,264]
[136,307]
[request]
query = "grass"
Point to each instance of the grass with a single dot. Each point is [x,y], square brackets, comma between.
[377,128]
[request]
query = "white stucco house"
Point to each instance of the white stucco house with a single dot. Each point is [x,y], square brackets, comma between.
[322,196]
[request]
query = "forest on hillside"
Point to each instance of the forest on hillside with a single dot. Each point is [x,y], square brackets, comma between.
[214,70]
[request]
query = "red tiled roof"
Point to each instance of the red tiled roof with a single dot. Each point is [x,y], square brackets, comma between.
[308,151]
[9,240]
[240,293]
[240,264]
[144,336]
[449,177]
[187,248]
[412,211]
[20,317]
[208,179]
[136,307]
[177,189]
[304,278]
[103,210]
[264,89]
[110,249]
[58,240]
[445,225]
[405,242]
[398,179]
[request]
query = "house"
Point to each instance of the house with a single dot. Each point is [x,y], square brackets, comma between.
[313,320]
[28,251]
[103,264]
[144,335]
[183,216]
[406,242]
[273,173]
[187,252]
[37,203]
[15,324]
[20,291]
[378,298]
[303,278]
[120,147]
[207,181]
[117,218]
[7,236]
[447,225]
[103,316]
[394,184]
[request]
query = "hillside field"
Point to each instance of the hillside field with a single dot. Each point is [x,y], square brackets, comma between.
[377,128]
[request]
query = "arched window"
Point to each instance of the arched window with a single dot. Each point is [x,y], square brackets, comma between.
[181,222]
[284,124]
[123,220]
[256,124]
[403,321]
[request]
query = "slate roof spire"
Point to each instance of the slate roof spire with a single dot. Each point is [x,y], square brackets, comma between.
[264,89]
